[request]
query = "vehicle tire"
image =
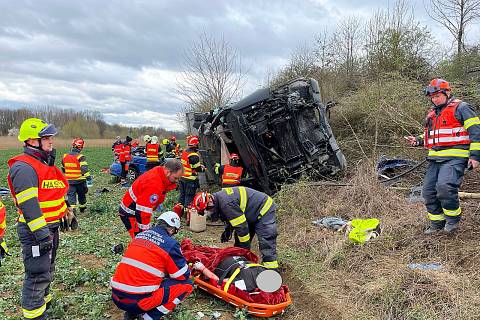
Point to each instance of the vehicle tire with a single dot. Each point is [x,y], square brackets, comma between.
[132,174]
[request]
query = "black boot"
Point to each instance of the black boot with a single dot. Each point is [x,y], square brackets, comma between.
[435,227]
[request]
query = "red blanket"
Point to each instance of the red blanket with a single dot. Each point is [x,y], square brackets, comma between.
[211,257]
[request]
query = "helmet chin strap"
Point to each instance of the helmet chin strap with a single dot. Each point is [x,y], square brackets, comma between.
[39,147]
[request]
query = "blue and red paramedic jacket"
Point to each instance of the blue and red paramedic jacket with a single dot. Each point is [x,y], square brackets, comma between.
[151,257]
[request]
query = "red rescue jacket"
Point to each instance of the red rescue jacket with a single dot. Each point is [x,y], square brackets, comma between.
[445,130]
[231,174]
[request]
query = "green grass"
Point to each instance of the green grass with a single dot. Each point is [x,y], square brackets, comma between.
[85,262]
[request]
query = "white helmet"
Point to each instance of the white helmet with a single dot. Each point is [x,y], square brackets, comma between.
[154,139]
[147,138]
[171,218]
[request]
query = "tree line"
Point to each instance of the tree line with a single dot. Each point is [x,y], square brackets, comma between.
[72,123]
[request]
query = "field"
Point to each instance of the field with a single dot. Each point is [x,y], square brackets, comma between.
[329,278]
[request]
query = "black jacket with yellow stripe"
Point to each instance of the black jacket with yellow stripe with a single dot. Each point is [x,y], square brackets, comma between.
[241,207]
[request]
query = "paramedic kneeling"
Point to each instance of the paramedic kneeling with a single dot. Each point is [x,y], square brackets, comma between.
[152,277]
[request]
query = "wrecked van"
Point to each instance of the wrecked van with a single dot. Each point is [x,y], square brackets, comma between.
[281,135]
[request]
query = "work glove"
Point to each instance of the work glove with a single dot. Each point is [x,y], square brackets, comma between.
[226,234]
[3,250]
[45,245]
[216,168]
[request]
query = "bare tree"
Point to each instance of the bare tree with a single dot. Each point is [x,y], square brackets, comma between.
[455,15]
[212,74]
[347,44]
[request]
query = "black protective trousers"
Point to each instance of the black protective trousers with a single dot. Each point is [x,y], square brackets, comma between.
[266,230]
[187,189]
[39,270]
[440,190]
[77,190]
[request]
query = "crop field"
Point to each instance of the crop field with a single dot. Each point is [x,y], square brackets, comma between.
[85,262]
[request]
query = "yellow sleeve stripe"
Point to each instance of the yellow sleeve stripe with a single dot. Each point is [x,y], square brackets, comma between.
[26,195]
[244,238]
[475,146]
[3,224]
[83,163]
[37,224]
[238,220]
[470,122]
[266,206]
[270,264]
[243,198]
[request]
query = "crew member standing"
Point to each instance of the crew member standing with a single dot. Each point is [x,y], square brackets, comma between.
[231,173]
[154,153]
[125,157]
[75,167]
[191,164]
[38,188]
[452,137]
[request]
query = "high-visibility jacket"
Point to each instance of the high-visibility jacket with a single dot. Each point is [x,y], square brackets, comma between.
[3,220]
[241,206]
[75,166]
[125,155]
[152,256]
[191,163]
[154,152]
[231,174]
[447,136]
[51,190]
[117,148]
[145,195]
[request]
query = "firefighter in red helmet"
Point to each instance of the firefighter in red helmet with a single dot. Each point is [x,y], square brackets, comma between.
[231,173]
[189,184]
[452,137]
[75,168]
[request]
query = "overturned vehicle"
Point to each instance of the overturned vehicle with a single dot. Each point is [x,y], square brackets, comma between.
[280,134]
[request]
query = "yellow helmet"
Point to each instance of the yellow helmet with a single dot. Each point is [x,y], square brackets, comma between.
[33,128]
[165,141]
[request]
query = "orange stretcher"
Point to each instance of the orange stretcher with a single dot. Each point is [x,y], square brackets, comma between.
[255,309]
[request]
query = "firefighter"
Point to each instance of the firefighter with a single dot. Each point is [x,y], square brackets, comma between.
[153,276]
[38,188]
[75,167]
[169,148]
[146,194]
[247,212]
[231,173]
[191,164]
[154,153]
[117,147]
[125,157]
[3,226]
[147,139]
[177,150]
[452,137]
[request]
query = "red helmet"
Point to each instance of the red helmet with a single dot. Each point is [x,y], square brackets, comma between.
[437,85]
[78,143]
[193,141]
[200,201]
[173,138]
[234,156]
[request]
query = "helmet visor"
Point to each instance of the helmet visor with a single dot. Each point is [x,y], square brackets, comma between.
[48,131]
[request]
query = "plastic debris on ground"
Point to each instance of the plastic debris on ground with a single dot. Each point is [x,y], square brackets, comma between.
[334,223]
[199,315]
[386,168]
[362,230]
[216,314]
[425,266]
[416,195]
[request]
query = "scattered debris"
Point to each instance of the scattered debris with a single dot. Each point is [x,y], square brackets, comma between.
[387,168]
[425,266]
[199,315]
[4,191]
[100,191]
[334,223]
[216,315]
[362,230]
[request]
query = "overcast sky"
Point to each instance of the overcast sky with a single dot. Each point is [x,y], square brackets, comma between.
[122,58]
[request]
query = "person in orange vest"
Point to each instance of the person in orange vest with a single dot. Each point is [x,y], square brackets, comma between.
[189,184]
[177,149]
[75,167]
[117,147]
[146,194]
[3,226]
[124,158]
[231,173]
[153,276]
[38,189]
[154,153]
[452,137]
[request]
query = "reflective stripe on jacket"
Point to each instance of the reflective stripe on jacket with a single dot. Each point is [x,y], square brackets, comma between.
[150,257]
[231,174]
[51,190]
[3,221]
[72,167]
[190,172]
[152,151]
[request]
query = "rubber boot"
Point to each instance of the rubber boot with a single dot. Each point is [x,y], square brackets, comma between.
[435,227]
[74,223]
[451,227]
